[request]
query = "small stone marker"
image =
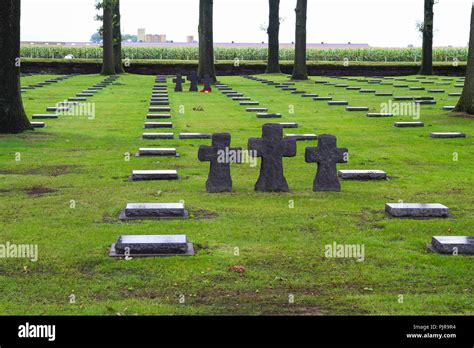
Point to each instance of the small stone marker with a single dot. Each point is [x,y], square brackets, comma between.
[272,148]
[454,94]
[384,94]
[44,116]
[367,91]
[426,102]
[379,114]
[326,155]
[159,109]
[178,81]
[362,174]
[416,210]
[266,115]
[256,110]
[408,124]
[241,98]
[57,109]
[151,246]
[158,116]
[249,103]
[452,245]
[309,95]
[149,125]
[159,103]
[144,151]
[447,135]
[449,108]
[153,211]
[357,108]
[301,137]
[322,98]
[153,136]
[436,90]
[288,124]
[353,88]
[338,102]
[185,136]
[38,124]
[220,155]
[139,175]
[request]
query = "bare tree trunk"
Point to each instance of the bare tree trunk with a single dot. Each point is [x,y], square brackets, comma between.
[108,66]
[300,71]
[466,103]
[206,40]
[117,33]
[427,61]
[273,65]
[12,114]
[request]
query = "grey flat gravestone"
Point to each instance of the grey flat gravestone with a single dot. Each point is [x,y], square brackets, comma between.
[409,124]
[379,114]
[357,108]
[309,95]
[322,98]
[249,103]
[158,116]
[57,109]
[301,137]
[185,136]
[338,102]
[194,80]
[159,103]
[153,136]
[289,124]
[44,117]
[452,245]
[178,81]
[38,124]
[449,108]
[256,110]
[151,246]
[272,147]
[159,109]
[219,178]
[265,115]
[367,91]
[140,175]
[154,211]
[327,155]
[447,135]
[156,151]
[416,210]
[362,174]
[150,125]
[384,94]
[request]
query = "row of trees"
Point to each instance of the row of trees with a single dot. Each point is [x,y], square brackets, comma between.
[13,118]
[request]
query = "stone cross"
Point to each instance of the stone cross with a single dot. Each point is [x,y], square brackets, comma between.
[272,148]
[194,79]
[220,154]
[179,83]
[207,80]
[326,155]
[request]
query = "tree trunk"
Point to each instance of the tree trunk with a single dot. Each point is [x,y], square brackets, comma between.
[206,40]
[466,103]
[117,33]
[300,71]
[12,114]
[108,66]
[273,65]
[427,60]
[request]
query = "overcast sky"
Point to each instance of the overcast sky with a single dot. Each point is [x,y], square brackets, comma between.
[385,23]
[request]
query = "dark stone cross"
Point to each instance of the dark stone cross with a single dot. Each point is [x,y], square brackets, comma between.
[194,79]
[272,148]
[220,154]
[326,155]
[179,83]
[207,81]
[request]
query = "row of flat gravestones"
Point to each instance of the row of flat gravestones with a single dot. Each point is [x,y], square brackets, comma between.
[67,106]
[422,100]
[272,147]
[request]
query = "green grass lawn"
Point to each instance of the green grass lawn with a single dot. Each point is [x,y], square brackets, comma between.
[281,248]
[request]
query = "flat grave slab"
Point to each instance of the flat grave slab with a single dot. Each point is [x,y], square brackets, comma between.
[353,88]
[241,98]
[454,94]
[153,211]
[151,246]
[57,109]
[338,102]
[84,94]
[408,124]
[159,109]
[383,94]
[417,88]
[379,114]
[447,135]
[367,91]
[153,136]
[322,98]
[44,116]
[156,151]
[256,110]
[357,108]
[309,95]
[426,102]
[249,103]
[452,245]
[416,210]
[449,108]
[265,115]
[149,125]
[185,136]
[436,90]
[301,137]
[288,124]
[77,99]
[401,98]
[158,116]
[362,174]
[38,124]
[140,175]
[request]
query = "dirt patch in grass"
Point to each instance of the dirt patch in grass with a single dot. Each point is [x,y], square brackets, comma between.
[43,170]
[202,214]
[37,191]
